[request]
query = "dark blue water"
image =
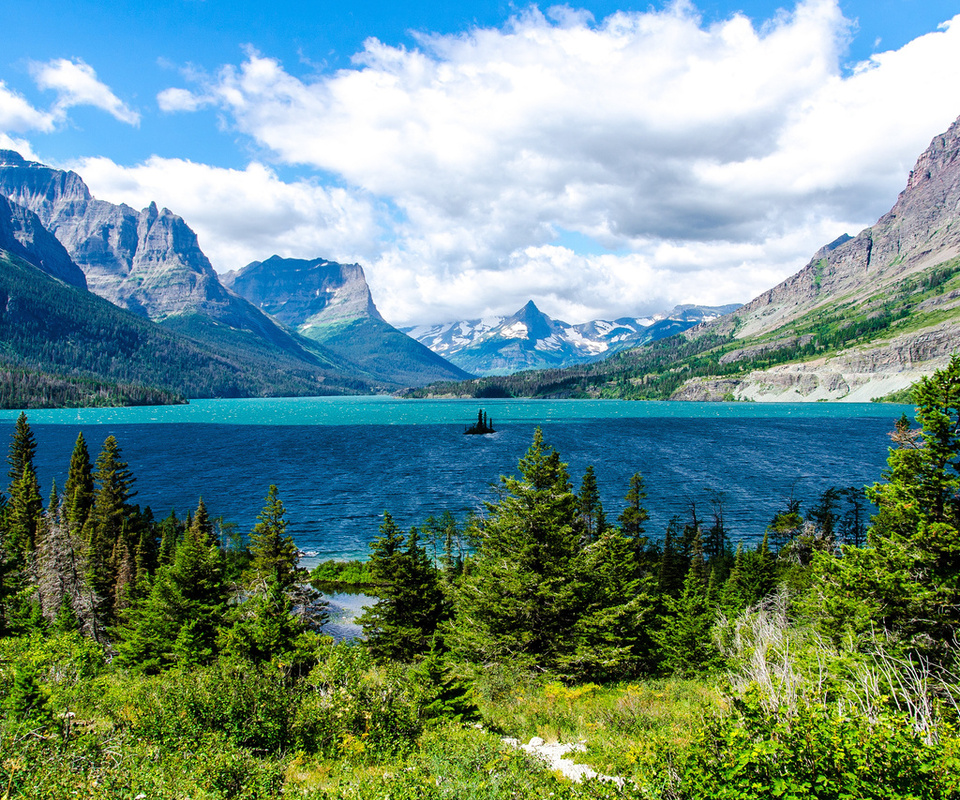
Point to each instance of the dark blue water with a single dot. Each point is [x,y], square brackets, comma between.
[340,463]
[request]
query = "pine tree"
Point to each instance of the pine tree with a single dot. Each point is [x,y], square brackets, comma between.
[171,531]
[633,517]
[589,508]
[671,568]
[22,517]
[179,621]
[518,598]
[612,633]
[684,637]
[78,492]
[401,624]
[22,450]
[907,579]
[274,553]
[104,529]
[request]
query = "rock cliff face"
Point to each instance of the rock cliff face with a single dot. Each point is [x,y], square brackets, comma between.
[302,293]
[330,303]
[870,274]
[22,234]
[147,261]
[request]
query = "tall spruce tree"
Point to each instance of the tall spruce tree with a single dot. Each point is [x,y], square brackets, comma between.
[104,529]
[179,621]
[591,519]
[684,639]
[906,581]
[274,553]
[410,605]
[23,447]
[518,599]
[79,489]
[633,518]
[612,632]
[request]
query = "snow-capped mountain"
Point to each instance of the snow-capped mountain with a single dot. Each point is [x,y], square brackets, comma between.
[530,339]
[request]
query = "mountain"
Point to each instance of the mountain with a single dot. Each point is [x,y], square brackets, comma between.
[331,304]
[22,234]
[530,339]
[867,317]
[75,348]
[871,313]
[150,263]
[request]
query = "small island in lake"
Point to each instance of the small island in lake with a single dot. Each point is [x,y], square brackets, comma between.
[482,427]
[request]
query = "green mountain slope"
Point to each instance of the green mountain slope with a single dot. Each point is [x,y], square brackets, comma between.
[52,329]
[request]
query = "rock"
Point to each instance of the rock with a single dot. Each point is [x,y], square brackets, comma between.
[22,234]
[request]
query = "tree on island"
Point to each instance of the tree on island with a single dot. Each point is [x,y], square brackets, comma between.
[482,426]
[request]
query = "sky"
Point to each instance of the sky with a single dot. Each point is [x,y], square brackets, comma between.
[603,159]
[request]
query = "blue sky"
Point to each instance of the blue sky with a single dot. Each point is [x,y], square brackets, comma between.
[604,159]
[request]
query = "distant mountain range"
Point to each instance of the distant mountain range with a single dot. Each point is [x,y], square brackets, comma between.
[866,318]
[149,264]
[530,339]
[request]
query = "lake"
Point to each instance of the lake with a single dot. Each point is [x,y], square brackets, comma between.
[340,462]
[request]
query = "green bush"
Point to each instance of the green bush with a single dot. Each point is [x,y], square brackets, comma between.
[814,751]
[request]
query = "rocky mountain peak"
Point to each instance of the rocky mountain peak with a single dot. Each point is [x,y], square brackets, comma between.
[148,261]
[302,292]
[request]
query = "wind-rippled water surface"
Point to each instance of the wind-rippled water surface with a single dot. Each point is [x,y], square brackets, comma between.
[340,462]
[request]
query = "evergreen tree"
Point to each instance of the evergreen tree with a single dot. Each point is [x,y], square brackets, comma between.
[634,516]
[671,568]
[612,634]
[907,579]
[785,525]
[274,553]
[179,621]
[171,531]
[103,532]
[22,449]
[22,517]
[401,624]
[78,492]
[589,508]
[518,598]
[684,637]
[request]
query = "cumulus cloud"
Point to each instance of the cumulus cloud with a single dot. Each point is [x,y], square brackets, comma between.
[710,161]
[18,116]
[76,84]
[244,215]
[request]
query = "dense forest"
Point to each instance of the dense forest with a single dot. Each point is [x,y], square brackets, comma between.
[145,658]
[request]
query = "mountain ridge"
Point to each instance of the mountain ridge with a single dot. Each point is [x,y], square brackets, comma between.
[530,339]
[330,303]
[865,318]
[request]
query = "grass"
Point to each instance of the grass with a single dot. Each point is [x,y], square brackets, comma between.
[625,727]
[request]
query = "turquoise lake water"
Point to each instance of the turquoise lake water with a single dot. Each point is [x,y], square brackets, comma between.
[340,462]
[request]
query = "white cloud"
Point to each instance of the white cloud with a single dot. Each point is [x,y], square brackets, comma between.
[76,84]
[243,215]
[18,116]
[711,160]
[172,100]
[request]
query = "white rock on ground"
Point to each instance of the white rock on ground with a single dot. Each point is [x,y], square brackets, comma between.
[554,754]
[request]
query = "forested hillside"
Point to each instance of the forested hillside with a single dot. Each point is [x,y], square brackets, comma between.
[182,658]
[55,334]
